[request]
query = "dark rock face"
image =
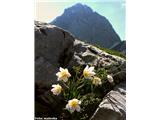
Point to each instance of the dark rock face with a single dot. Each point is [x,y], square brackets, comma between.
[121,47]
[85,24]
[53,48]
[113,105]
[53,43]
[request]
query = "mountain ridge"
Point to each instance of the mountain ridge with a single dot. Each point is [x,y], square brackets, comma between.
[86,24]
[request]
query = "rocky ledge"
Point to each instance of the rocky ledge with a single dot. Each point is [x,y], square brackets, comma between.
[54,48]
[113,105]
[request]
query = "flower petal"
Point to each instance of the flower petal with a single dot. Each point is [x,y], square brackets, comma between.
[65,79]
[86,68]
[92,73]
[69,75]
[57,74]
[91,69]
[100,83]
[52,89]
[67,106]
[78,108]
[58,79]
[61,69]
[53,85]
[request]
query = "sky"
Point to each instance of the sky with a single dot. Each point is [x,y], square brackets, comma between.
[113,10]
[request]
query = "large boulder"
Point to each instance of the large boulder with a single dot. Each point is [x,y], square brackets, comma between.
[113,106]
[53,43]
[53,48]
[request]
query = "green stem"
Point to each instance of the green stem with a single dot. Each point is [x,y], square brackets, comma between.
[66,86]
[92,88]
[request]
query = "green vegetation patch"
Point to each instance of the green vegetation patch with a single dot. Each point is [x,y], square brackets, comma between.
[112,52]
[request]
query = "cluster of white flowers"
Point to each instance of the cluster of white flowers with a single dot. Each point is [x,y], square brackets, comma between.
[89,73]
[63,75]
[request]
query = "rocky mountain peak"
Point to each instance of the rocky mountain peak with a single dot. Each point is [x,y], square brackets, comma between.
[86,24]
[79,9]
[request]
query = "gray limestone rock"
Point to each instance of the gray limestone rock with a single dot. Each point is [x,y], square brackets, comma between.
[85,53]
[113,106]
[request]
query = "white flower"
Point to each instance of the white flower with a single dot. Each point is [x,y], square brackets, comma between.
[56,90]
[63,74]
[88,72]
[96,81]
[73,105]
[110,78]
